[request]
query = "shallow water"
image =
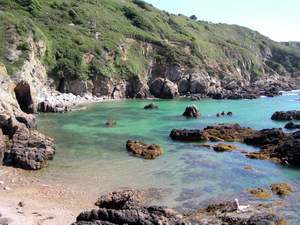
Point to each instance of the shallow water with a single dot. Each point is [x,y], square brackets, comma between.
[93,158]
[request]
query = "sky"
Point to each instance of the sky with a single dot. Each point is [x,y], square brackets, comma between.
[277,19]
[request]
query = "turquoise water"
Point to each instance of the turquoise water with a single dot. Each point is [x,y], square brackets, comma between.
[93,158]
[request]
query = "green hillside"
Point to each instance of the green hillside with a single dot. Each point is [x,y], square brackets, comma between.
[112,32]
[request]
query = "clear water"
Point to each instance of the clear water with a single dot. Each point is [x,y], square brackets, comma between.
[93,158]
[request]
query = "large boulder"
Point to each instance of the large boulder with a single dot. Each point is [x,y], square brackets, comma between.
[163,88]
[127,207]
[285,116]
[30,150]
[191,112]
[143,150]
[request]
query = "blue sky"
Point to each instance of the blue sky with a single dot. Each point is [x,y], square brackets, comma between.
[277,19]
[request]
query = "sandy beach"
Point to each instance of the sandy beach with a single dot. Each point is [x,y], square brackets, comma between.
[30,202]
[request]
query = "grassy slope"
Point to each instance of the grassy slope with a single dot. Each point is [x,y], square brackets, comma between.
[69,26]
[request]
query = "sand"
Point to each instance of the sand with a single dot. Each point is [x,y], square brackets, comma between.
[43,204]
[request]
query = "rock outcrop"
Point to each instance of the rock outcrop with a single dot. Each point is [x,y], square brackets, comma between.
[275,145]
[164,88]
[129,207]
[292,126]
[29,150]
[286,116]
[191,112]
[21,145]
[143,150]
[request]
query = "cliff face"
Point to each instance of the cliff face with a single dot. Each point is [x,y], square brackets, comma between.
[124,48]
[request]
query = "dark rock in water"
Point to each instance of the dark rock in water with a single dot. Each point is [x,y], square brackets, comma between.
[288,115]
[289,151]
[127,207]
[186,135]
[292,126]
[151,106]
[218,115]
[143,150]
[30,150]
[111,123]
[191,112]
[223,113]
[229,114]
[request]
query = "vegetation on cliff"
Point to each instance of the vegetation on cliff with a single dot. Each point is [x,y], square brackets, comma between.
[122,39]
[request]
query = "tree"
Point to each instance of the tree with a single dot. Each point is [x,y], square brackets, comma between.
[193,17]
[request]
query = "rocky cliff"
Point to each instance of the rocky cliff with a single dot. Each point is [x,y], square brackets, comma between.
[128,49]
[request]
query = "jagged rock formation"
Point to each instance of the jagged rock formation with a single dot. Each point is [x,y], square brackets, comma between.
[191,112]
[129,207]
[275,145]
[20,144]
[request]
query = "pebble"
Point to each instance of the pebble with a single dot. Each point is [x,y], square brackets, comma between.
[21,204]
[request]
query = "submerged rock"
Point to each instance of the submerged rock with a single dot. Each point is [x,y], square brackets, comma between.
[187,135]
[111,123]
[191,112]
[282,189]
[288,115]
[224,148]
[260,193]
[151,106]
[143,150]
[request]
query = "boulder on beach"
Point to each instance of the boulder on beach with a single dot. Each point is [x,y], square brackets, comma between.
[128,207]
[151,106]
[30,150]
[286,115]
[191,112]
[143,150]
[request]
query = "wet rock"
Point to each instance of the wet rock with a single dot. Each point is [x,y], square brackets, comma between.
[292,126]
[228,132]
[151,106]
[224,148]
[30,150]
[143,150]
[282,189]
[229,114]
[289,151]
[288,115]
[191,112]
[187,135]
[163,88]
[260,193]
[111,123]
